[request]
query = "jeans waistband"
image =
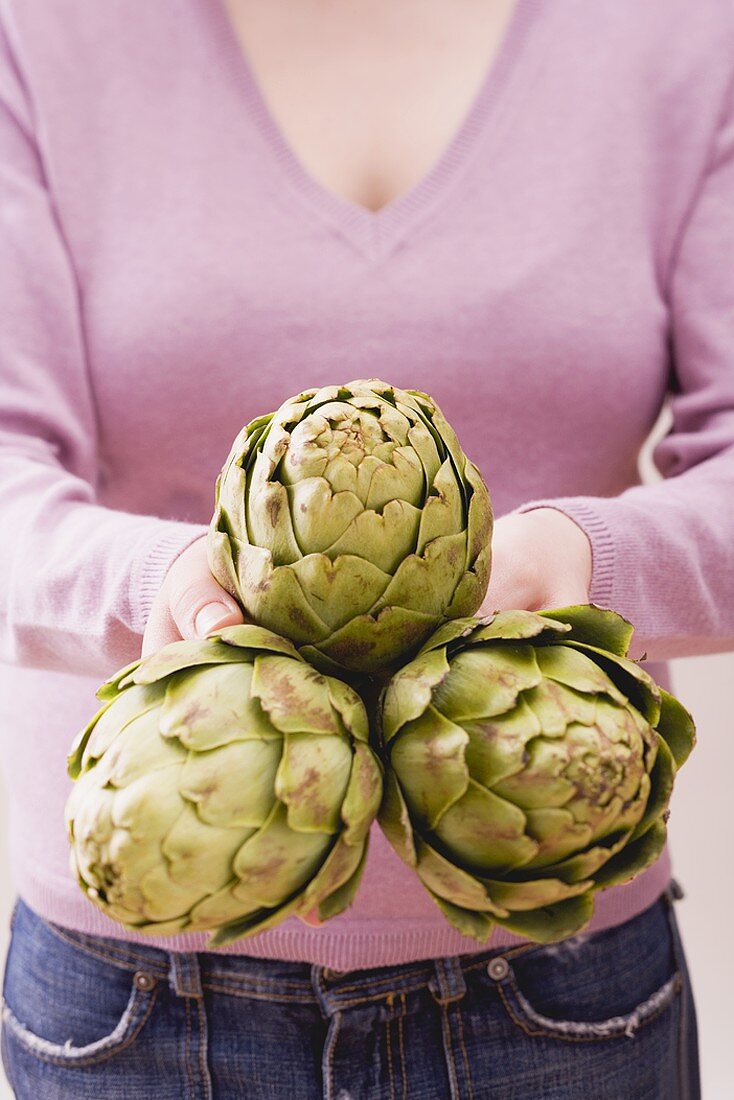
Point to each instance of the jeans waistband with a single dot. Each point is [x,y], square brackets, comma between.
[191,974]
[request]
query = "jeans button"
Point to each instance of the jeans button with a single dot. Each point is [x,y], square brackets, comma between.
[332,975]
[143,980]
[498,968]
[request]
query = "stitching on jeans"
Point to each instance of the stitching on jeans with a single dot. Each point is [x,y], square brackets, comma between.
[448,1047]
[401,1045]
[5,1047]
[203,1049]
[362,1000]
[187,1049]
[304,999]
[388,1043]
[388,980]
[465,1056]
[336,1023]
[93,1060]
[136,961]
[550,1034]
[383,995]
[229,977]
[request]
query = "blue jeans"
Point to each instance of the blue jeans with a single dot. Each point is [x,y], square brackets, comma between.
[607,1016]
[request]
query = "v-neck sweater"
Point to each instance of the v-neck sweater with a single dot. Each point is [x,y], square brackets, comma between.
[169,271]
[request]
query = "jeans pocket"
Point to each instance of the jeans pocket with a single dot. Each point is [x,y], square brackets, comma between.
[532,1022]
[593,987]
[67,1004]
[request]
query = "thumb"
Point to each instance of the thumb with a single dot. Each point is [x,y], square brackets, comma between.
[199,606]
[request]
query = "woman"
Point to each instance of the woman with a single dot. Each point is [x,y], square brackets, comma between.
[526,209]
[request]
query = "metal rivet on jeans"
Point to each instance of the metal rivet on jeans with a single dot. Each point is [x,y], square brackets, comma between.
[143,980]
[332,975]
[498,968]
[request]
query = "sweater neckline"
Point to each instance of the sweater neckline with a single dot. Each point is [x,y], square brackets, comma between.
[374,230]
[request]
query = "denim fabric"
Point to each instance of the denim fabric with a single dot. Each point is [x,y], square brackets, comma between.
[607,1016]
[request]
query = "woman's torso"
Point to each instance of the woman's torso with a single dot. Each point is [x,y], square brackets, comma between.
[521,280]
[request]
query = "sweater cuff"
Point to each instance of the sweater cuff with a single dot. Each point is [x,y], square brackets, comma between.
[153,562]
[585,512]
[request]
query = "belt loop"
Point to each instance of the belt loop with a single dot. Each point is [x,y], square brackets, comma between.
[185,976]
[448,982]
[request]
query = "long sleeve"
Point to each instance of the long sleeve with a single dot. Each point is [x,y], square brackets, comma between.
[76,579]
[663,553]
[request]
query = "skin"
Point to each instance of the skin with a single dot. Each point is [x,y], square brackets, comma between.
[331,73]
[368,93]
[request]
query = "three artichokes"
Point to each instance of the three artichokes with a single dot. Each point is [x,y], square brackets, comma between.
[519,763]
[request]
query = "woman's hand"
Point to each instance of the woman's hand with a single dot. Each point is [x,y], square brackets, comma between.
[540,559]
[190,604]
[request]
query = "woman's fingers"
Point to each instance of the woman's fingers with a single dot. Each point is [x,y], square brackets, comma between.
[190,604]
[312,918]
[540,559]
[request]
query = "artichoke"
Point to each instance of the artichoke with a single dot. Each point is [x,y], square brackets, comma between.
[223,785]
[529,764]
[351,521]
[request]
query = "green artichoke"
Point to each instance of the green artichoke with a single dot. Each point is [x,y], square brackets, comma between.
[351,521]
[529,763]
[223,785]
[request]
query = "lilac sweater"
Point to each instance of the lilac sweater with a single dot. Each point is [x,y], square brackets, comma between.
[168,271]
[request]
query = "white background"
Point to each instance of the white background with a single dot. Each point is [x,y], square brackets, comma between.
[701,833]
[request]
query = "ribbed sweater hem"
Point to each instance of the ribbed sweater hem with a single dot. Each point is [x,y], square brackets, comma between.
[347,943]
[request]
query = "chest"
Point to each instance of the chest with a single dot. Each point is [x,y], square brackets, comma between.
[517,280]
[368,94]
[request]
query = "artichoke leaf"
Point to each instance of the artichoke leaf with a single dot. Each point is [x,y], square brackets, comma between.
[635,684]
[467,921]
[486,681]
[554,922]
[199,856]
[276,862]
[427,582]
[177,656]
[385,537]
[256,638]
[368,643]
[363,795]
[312,779]
[444,879]
[342,896]
[428,757]
[485,834]
[395,820]
[533,893]
[661,788]
[676,727]
[409,693]
[443,509]
[274,598]
[568,665]
[497,746]
[555,706]
[294,697]
[232,785]
[350,708]
[594,625]
[633,858]
[519,625]
[208,709]
[338,591]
